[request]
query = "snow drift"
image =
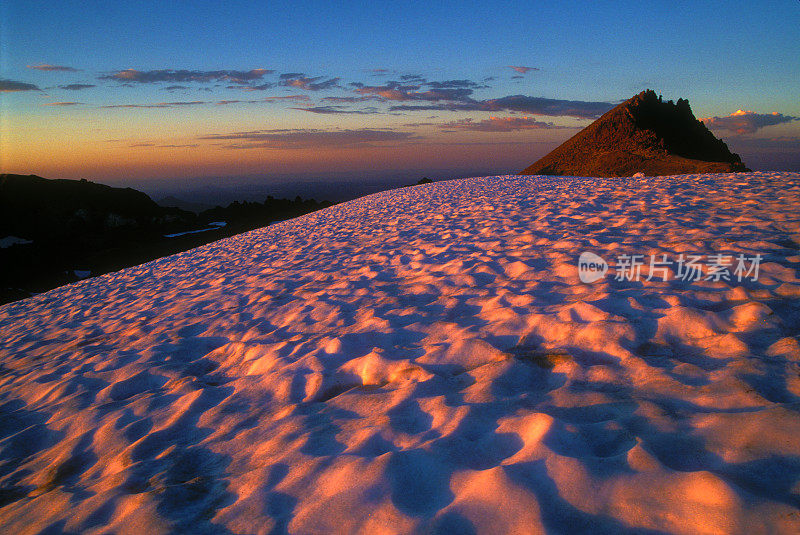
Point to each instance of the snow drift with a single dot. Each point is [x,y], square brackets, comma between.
[424,360]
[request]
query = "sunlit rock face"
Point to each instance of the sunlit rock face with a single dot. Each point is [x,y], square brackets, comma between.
[427,360]
[643,135]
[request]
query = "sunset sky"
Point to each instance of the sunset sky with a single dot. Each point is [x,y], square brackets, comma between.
[140,92]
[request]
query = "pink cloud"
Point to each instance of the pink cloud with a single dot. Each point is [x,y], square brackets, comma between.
[522,70]
[747,122]
[310,84]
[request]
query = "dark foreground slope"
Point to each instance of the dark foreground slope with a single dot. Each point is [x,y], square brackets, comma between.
[54,232]
[34,207]
[646,135]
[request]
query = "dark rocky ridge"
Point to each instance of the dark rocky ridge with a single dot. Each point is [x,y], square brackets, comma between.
[37,208]
[643,134]
[72,226]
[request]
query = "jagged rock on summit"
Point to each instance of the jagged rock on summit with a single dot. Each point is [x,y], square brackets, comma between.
[646,135]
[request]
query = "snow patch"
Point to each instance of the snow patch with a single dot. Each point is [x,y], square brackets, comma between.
[423,360]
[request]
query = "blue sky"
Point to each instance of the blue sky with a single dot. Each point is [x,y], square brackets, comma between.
[401,60]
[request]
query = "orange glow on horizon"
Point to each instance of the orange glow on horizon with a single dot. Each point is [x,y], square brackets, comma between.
[83,157]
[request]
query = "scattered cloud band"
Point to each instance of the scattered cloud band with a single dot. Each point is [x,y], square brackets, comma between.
[519,103]
[184,76]
[501,124]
